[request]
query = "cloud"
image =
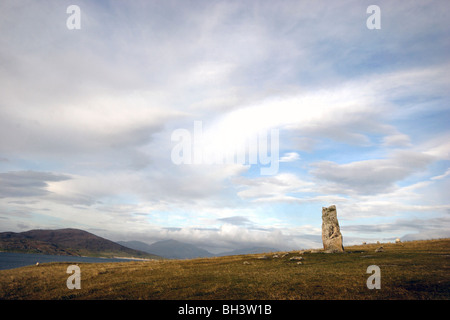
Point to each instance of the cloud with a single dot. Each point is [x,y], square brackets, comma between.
[397,140]
[442,176]
[273,188]
[406,229]
[438,146]
[100,125]
[371,176]
[20,184]
[236,220]
[290,157]
[224,238]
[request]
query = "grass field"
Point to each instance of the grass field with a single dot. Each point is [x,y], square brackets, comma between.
[409,270]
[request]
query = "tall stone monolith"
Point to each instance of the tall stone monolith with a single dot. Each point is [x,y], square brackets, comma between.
[331,234]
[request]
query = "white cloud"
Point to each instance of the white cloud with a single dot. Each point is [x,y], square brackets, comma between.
[442,176]
[397,140]
[290,157]
[371,176]
[438,146]
[271,188]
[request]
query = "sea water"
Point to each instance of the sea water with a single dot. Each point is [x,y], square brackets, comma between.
[11,260]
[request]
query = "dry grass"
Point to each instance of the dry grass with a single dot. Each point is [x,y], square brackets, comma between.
[410,270]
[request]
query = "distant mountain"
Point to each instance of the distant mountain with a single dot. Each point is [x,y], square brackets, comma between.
[173,249]
[71,242]
[250,250]
[136,245]
[170,249]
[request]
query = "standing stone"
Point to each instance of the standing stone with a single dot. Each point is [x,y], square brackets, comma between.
[331,234]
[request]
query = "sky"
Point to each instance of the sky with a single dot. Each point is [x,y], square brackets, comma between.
[120,123]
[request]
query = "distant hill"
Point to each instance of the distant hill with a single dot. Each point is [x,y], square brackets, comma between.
[250,250]
[173,249]
[71,242]
[136,245]
[170,249]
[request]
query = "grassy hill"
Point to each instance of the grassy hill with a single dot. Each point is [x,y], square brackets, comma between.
[410,270]
[71,242]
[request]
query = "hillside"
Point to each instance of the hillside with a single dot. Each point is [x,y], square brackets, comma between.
[71,242]
[409,271]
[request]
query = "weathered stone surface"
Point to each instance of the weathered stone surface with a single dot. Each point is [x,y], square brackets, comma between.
[331,234]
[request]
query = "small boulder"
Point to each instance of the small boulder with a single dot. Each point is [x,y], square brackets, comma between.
[296,258]
[379,249]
